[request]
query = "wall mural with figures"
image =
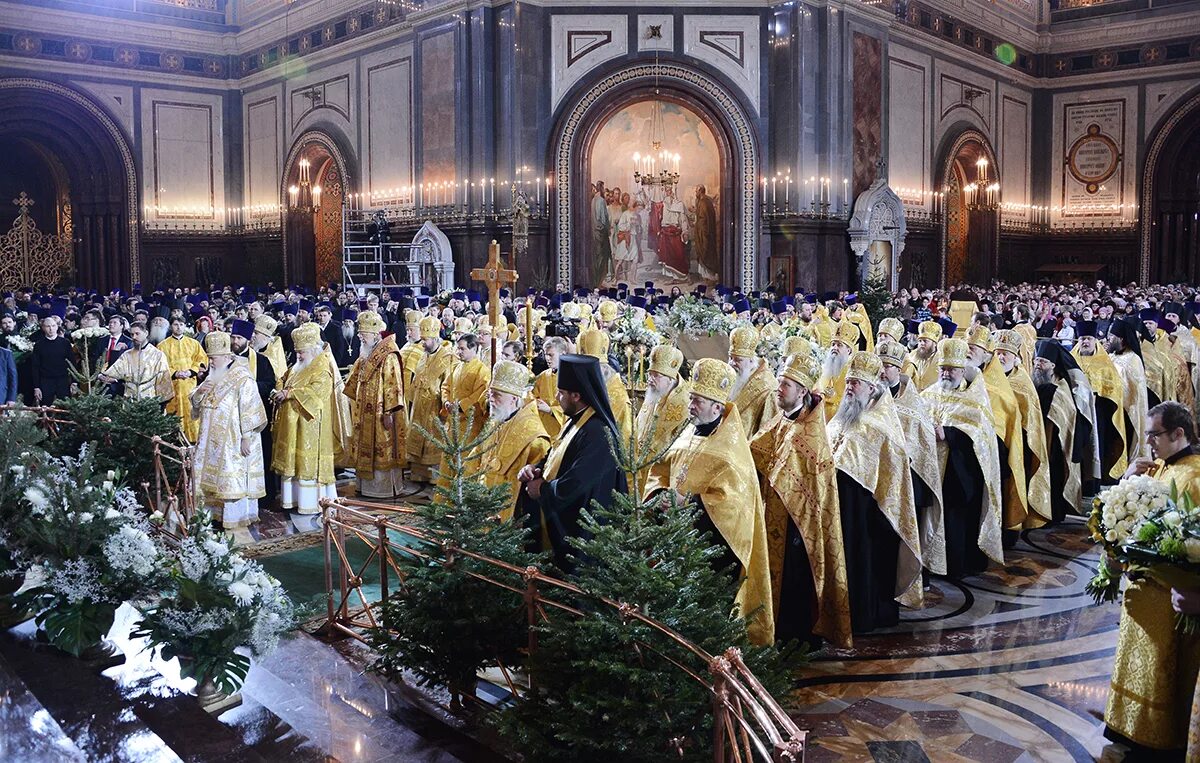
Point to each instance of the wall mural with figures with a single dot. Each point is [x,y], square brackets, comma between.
[669,234]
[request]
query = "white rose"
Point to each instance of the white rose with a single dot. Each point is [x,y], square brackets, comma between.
[156,515]
[216,549]
[1111,536]
[17,470]
[1159,502]
[111,475]
[241,592]
[107,485]
[1192,547]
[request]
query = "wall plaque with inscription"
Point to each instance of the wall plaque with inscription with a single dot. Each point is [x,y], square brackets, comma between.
[1093,167]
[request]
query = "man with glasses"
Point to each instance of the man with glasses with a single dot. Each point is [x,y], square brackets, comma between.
[1154,673]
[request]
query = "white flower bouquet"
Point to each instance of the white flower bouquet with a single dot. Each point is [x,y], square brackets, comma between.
[216,605]
[1166,542]
[694,317]
[91,332]
[632,341]
[95,551]
[1115,512]
[84,375]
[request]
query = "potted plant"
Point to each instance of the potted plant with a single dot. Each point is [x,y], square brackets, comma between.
[216,606]
[93,549]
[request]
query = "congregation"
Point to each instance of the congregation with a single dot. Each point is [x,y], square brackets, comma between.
[837,459]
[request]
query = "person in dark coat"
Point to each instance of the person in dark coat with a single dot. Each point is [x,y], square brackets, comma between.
[49,364]
[8,376]
[331,334]
[579,469]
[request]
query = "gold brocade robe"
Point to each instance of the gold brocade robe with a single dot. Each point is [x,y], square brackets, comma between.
[1029,340]
[274,354]
[819,331]
[518,442]
[920,440]
[183,354]
[545,389]
[1034,428]
[618,401]
[1155,668]
[961,312]
[339,406]
[465,391]
[720,471]
[1180,373]
[756,401]
[1134,403]
[923,372]
[1152,362]
[1006,416]
[227,410]
[832,390]
[857,314]
[427,405]
[798,485]
[666,417]
[968,410]
[410,358]
[1062,426]
[145,373]
[1107,382]
[303,446]
[872,452]
[376,386]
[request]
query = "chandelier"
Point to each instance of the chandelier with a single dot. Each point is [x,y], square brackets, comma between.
[305,197]
[658,167]
[982,195]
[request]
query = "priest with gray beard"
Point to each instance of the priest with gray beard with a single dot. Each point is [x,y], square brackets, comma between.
[875,495]
[970,462]
[159,328]
[1068,430]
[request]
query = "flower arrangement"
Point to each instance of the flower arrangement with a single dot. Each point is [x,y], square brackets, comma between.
[92,544]
[215,605]
[694,317]
[1167,541]
[632,341]
[84,375]
[20,346]
[1116,512]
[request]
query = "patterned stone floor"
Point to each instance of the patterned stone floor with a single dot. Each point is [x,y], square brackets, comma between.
[1010,665]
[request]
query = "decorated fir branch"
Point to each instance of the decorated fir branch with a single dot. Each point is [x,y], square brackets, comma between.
[445,623]
[648,557]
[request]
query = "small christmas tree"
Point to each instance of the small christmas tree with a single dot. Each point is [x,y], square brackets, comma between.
[610,687]
[444,624]
[878,300]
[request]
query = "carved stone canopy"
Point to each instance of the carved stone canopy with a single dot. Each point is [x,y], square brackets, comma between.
[878,216]
[432,246]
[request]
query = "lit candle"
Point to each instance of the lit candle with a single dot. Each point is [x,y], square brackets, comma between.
[846,192]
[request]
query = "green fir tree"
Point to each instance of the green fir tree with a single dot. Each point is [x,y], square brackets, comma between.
[444,624]
[878,300]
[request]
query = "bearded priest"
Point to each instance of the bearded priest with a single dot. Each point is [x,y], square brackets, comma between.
[596,343]
[432,371]
[753,391]
[921,364]
[303,429]
[874,481]
[970,462]
[664,412]
[809,592]
[710,466]
[1067,428]
[228,461]
[920,440]
[832,384]
[376,385]
[517,438]
[1109,419]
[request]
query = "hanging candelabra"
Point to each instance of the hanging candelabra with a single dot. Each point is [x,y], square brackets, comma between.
[984,194]
[304,197]
[657,167]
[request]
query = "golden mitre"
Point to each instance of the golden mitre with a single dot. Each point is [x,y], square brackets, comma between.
[595,343]
[463,326]
[569,310]
[370,322]
[307,336]
[713,379]
[799,368]
[952,353]
[412,318]
[847,333]
[266,325]
[796,345]
[931,330]
[1009,340]
[864,366]
[431,327]
[743,342]
[981,337]
[217,343]
[892,328]
[892,353]
[511,377]
[608,311]
[666,360]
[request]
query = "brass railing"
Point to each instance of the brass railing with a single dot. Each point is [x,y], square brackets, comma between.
[748,723]
[173,497]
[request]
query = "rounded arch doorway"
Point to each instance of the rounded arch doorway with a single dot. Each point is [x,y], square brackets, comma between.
[73,162]
[315,183]
[1170,246]
[970,178]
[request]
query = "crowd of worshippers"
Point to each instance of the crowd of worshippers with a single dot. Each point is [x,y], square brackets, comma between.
[836,463]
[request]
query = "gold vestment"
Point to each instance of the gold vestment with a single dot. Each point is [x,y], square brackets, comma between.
[183,354]
[303,444]
[920,440]
[376,386]
[1033,426]
[227,410]
[756,401]
[518,442]
[1107,382]
[427,382]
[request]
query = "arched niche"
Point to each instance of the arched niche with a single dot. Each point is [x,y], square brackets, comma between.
[1170,240]
[877,231]
[312,240]
[969,243]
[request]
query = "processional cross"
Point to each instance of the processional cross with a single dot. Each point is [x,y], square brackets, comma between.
[495,276]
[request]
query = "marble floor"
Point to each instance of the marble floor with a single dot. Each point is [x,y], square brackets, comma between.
[1011,665]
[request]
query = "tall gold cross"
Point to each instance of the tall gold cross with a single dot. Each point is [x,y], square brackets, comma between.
[494,276]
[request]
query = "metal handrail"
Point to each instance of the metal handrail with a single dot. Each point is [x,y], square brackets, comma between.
[748,723]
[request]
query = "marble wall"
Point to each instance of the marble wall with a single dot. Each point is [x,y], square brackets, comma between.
[867,55]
